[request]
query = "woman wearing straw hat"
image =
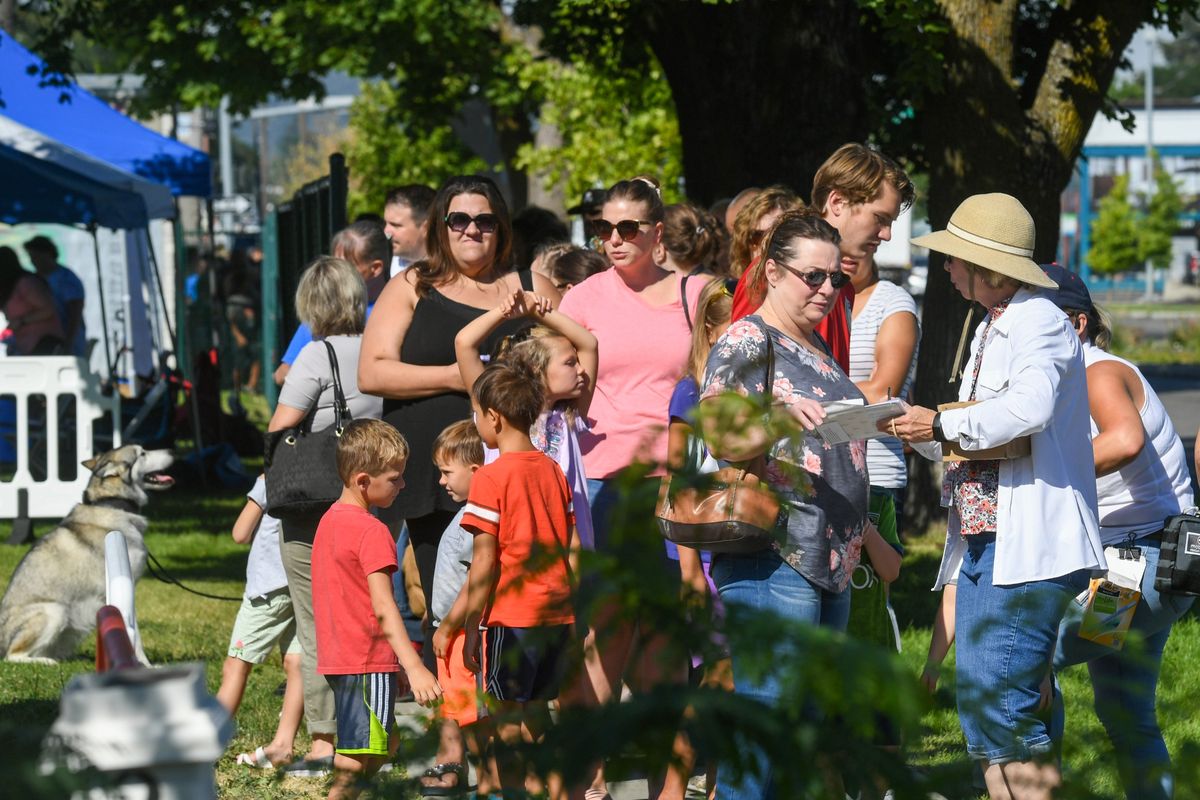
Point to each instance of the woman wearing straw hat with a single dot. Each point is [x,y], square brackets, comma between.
[1025,525]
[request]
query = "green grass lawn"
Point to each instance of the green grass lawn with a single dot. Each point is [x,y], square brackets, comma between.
[189,534]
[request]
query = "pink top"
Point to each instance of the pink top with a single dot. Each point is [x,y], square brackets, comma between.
[643,353]
[31,297]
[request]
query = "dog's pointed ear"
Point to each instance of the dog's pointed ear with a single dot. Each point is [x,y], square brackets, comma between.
[90,464]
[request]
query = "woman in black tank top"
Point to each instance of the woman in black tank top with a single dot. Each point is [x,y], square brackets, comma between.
[408,348]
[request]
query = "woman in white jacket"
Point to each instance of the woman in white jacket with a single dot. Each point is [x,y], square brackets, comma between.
[1026,525]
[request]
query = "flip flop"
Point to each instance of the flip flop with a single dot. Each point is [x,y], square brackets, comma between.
[258,759]
[440,770]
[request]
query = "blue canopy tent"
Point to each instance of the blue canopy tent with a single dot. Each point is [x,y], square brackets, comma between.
[70,115]
[53,193]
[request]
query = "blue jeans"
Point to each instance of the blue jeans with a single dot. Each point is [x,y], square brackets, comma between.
[1124,683]
[1005,640]
[762,581]
[412,623]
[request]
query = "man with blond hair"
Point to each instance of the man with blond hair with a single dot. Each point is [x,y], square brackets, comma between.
[861,192]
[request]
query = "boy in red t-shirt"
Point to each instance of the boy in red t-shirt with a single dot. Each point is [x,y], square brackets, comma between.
[522,566]
[361,640]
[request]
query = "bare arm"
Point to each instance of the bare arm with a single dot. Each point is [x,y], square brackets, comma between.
[943,637]
[424,685]
[689,559]
[587,348]
[451,624]
[480,580]
[1115,412]
[737,432]
[380,370]
[894,347]
[470,339]
[286,417]
[245,526]
[884,558]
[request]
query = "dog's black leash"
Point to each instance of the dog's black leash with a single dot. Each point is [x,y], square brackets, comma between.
[159,571]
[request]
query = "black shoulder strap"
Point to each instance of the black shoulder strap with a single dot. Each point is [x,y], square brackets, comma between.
[687,315]
[526,278]
[341,410]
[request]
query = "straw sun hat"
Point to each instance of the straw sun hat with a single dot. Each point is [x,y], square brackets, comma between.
[995,232]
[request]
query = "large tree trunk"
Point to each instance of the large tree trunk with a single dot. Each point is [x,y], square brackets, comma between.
[985,134]
[764,90]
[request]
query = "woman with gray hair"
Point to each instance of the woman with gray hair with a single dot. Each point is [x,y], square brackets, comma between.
[1022,520]
[332,301]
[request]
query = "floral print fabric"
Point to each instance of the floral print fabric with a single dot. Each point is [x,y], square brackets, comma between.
[824,487]
[971,489]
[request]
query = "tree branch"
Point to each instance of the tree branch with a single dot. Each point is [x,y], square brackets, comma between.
[1080,68]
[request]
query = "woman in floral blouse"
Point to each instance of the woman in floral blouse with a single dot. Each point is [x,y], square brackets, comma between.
[803,575]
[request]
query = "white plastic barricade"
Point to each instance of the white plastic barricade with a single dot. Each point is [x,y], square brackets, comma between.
[146,734]
[118,583]
[48,406]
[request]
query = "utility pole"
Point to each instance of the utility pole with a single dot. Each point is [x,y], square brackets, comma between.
[1149,89]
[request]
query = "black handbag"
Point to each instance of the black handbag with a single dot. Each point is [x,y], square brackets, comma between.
[300,465]
[1179,556]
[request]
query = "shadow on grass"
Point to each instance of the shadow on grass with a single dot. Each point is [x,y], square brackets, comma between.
[23,723]
[912,600]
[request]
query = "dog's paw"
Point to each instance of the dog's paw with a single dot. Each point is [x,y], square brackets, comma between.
[25,658]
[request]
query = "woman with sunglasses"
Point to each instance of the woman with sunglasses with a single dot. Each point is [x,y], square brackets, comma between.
[636,312]
[805,575]
[408,348]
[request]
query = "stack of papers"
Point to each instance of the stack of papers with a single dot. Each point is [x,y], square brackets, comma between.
[848,420]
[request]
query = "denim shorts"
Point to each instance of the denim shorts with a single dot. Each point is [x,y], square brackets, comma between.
[1005,641]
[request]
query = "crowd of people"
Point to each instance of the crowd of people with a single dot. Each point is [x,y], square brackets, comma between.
[502,383]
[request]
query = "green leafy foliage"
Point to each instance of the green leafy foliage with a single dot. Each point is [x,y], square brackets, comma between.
[613,123]
[1123,237]
[1115,232]
[382,151]
[1161,221]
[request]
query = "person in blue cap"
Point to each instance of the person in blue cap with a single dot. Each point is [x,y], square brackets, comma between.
[1141,480]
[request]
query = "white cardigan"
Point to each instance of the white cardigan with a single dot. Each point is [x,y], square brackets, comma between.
[1033,381]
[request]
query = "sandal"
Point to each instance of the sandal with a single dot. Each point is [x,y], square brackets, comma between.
[440,771]
[258,759]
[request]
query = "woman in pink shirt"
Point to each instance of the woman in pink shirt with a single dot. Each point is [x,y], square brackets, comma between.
[636,312]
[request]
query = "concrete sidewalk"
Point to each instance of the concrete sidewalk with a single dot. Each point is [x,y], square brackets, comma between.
[411,717]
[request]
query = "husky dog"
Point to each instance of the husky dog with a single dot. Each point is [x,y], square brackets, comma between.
[58,587]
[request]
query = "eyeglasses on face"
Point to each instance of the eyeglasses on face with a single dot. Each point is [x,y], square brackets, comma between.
[459,221]
[815,278]
[626,228]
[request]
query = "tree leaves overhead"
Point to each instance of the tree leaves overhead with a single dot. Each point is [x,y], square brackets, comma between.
[194,53]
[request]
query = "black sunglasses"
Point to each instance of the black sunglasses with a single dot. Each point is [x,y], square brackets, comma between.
[626,228]
[459,221]
[817,277]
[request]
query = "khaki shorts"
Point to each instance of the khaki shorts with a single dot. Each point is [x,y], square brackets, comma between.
[261,623]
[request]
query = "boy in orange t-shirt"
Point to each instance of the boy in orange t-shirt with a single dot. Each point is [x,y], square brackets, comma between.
[522,566]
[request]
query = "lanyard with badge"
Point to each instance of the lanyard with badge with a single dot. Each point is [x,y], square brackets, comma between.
[1109,602]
